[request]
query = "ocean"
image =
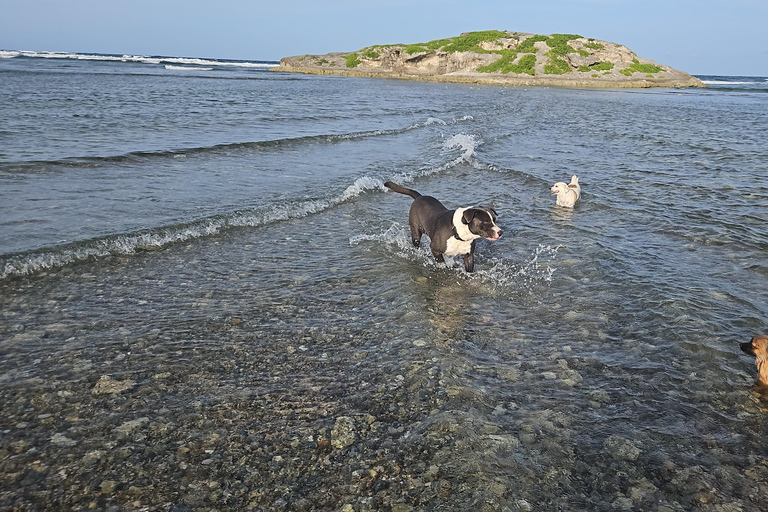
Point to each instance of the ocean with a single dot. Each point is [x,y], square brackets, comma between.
[209,300]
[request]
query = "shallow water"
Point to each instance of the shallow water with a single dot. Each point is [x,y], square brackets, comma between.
[233,317]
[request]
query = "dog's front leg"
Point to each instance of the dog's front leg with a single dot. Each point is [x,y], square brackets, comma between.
[469,259]
[416,235]
[438,256]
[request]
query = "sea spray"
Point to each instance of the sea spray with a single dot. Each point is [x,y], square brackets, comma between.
[466,142]
[396,240]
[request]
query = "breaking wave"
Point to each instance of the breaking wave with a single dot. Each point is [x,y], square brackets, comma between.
[47,258]
[153,239]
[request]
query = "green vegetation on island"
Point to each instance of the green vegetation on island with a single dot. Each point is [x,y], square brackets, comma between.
[352,60]
[636,67]
[520,60]
[508,63]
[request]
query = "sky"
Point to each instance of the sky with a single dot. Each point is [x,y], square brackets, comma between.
[701,37]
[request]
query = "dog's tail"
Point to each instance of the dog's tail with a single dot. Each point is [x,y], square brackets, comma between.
[402,190]
[574,180]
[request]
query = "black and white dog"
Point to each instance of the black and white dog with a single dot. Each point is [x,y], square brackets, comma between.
[451,232]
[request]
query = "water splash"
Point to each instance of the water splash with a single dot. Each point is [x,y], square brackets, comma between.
[466,142]
[507,274]
[500,273]
[397,239]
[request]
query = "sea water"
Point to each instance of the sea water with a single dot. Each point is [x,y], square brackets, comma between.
[204,285]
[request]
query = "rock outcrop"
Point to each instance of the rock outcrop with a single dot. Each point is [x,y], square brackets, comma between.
[501,57]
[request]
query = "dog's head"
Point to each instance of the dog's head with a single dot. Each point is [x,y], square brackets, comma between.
[559,187]
[481,221]
[758,347]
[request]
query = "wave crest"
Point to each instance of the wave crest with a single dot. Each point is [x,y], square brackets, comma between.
[130,243]
[86,161]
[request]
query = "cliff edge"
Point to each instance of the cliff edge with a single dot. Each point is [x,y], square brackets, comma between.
[500,57]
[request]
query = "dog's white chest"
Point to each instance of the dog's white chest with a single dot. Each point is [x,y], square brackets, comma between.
[456,247]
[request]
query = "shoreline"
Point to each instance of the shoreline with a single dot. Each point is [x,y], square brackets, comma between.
[516,81]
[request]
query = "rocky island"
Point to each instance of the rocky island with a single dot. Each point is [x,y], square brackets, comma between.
[503,58]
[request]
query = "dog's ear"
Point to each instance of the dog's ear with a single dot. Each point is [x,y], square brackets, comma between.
[471,213]
[760,343]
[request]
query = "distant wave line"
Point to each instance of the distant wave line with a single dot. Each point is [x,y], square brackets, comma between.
[723,82]
[8,54]
[87,161]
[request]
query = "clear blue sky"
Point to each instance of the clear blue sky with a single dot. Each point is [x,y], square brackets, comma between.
[725,37]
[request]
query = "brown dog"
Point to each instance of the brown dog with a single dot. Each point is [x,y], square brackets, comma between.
[758,347]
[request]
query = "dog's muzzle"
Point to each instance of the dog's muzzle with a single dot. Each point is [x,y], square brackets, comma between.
[747,348]
[495,235]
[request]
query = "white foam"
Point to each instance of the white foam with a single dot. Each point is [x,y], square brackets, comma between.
[186,68]
[398,238]
[394,234]
[464,157]
[735,81]
[210,62]
[720,82]
[467,143]
[161,237]
[360,186]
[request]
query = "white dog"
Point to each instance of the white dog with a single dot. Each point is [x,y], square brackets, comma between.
[567,193]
